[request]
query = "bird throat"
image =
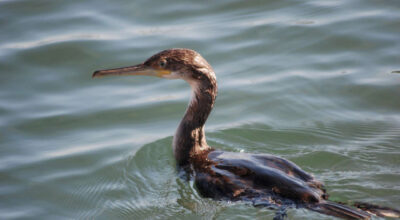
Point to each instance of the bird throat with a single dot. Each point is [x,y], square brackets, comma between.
[190,140]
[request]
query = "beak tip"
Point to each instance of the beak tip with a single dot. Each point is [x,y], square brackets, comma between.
[95,74]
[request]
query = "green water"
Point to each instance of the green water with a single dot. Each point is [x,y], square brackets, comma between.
[316,82]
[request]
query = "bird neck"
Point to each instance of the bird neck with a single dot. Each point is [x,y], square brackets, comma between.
[190,139]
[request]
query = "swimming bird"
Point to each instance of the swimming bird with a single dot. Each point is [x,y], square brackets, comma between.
[262,179]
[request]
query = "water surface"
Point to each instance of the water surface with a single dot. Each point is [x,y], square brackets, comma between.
[316,82]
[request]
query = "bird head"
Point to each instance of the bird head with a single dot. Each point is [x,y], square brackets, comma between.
[170,64]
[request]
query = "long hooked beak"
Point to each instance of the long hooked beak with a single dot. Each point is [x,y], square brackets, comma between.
[135,70]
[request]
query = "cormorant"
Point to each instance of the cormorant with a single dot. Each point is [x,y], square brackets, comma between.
[263,179]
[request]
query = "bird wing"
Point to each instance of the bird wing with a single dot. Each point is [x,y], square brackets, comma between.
[266,173]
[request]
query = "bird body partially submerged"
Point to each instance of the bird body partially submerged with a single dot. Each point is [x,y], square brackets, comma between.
[255,177]
[265,180]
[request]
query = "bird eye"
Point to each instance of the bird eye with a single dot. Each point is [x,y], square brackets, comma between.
[162,63]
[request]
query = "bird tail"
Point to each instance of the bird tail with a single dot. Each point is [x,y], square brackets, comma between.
[339,210]
[378,210]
